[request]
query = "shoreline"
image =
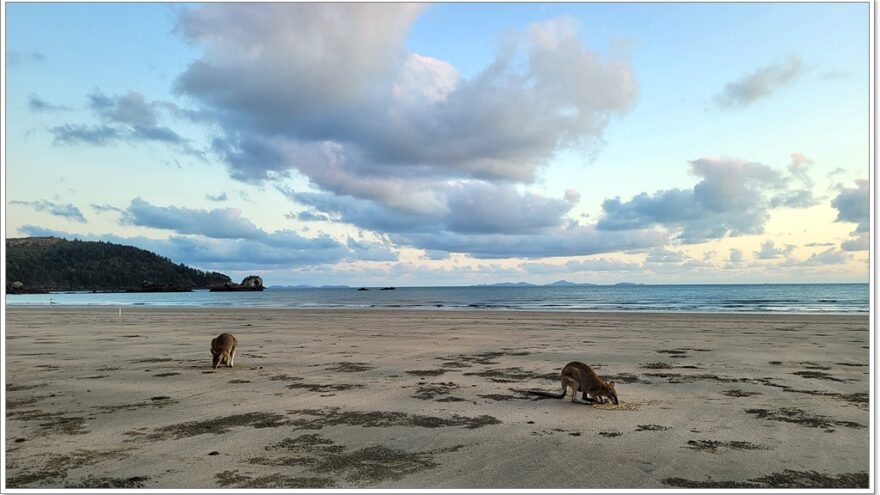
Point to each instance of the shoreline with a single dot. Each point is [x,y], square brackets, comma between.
[390,398]
[420,309]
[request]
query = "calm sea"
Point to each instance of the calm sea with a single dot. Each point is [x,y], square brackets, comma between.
[787,298]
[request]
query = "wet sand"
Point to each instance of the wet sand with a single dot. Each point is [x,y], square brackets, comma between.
[432,399]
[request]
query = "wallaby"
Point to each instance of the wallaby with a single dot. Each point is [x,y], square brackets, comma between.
[223,349]
[581,378]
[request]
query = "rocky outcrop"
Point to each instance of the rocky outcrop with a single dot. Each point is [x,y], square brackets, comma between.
[19,288]
[250,283]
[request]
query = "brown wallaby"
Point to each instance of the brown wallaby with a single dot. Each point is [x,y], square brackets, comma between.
[581,378]
[223,349]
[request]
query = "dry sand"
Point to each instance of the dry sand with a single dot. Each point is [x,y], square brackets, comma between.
[402,399]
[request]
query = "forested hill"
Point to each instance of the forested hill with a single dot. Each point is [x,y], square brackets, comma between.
[58,264]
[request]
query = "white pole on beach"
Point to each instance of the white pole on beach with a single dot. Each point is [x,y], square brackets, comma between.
[120,312]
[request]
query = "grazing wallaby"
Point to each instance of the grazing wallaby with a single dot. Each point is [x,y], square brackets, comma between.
[223,349]
[581,378]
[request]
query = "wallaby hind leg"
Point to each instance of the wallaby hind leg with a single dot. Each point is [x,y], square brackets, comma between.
[232,358]
[569,382]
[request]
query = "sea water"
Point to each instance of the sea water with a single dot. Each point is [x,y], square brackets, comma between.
[771,298]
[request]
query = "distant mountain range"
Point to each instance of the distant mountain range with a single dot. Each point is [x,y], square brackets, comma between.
[558,283]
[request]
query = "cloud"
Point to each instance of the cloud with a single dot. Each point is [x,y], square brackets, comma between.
[769,251]
[731,199]
[226,223]
[127,118]
[736,256]
[226,235]
[217,197]
[67,211]
[663,255]
[799,166]
[602,265]
[16,57]
[827,257]
[761,83]
[853,205]
[218,254]
[37,104]
[857,242]
[105,208]
[68,134]
[483,220]
[567,241]
[338,99]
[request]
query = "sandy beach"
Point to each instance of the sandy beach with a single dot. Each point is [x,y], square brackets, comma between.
[432,399]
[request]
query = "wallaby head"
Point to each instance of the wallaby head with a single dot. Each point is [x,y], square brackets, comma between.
[609,392]
[223,349]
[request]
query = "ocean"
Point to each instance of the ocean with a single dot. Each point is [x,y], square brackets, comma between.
[762,298]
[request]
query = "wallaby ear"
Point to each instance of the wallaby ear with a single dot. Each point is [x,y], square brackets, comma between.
[611,384]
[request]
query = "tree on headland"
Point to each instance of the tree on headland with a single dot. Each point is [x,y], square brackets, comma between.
[58,264]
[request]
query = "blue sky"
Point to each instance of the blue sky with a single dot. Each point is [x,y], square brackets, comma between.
[449,143]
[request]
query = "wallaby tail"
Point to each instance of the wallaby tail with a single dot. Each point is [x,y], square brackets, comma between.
[552,395]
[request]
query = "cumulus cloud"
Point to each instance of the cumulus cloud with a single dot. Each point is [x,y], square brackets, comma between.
[853,205]
[67,211]
[217,197]
[397,141]
[37,104]
[729,200]
[761,83]
[338,88]
[769,251]
[732,198]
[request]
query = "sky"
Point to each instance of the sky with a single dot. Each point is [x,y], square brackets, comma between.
[448,144]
